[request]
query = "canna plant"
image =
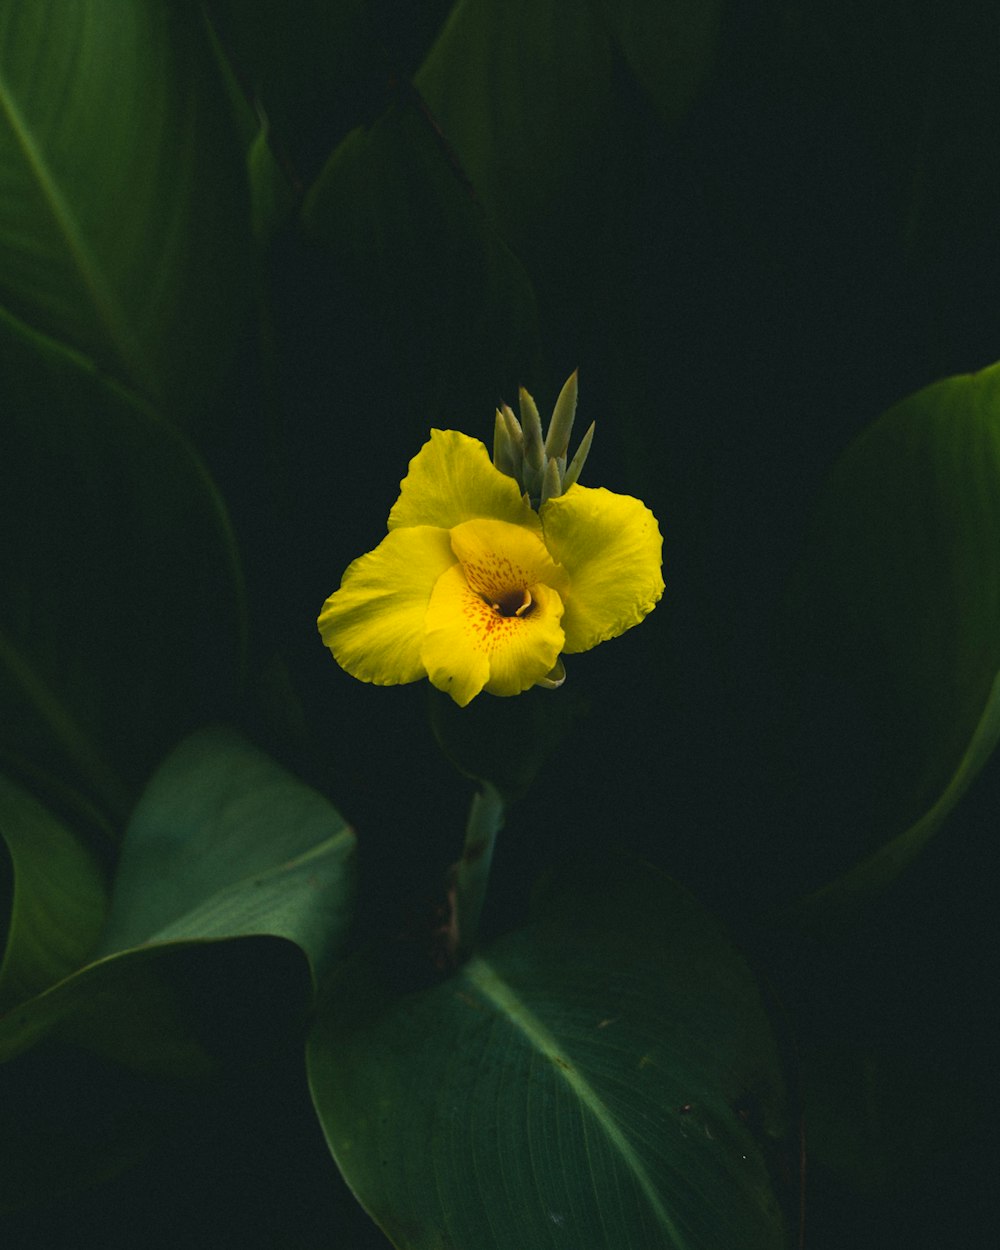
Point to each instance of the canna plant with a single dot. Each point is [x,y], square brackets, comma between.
[489,936]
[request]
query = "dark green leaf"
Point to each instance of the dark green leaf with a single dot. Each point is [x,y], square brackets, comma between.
[272,195]
[520,90]
[90,1070]
[897,603]
[603,1077]
[876,1117]
[315,70]
[837,903]
[175,1010]
[503,741]
[412,248]
[59,898]
[121,618]
[669,47]
[124,215]
[225,843]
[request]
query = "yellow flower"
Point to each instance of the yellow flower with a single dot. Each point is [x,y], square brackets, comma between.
[476,590]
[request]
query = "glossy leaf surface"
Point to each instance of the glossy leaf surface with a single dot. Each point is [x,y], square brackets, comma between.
[225,842]
[123,222]
[603,1077]
[58,902]
[899,593]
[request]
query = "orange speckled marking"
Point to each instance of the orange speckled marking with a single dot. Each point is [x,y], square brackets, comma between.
[495,617]
[498,599]
[500,582]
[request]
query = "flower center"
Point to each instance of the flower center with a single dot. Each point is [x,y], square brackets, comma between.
[500,582]
[516,602]
[507,572]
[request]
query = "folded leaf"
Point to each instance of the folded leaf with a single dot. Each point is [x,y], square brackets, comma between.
[59,897]
[223,843]
[896,610]
[235,892]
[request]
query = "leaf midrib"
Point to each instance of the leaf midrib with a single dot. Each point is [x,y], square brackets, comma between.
[106,306]
[484,977]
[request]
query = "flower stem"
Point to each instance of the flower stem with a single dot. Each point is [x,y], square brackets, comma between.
[472,872]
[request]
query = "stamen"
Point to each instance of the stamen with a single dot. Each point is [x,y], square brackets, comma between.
[509,605]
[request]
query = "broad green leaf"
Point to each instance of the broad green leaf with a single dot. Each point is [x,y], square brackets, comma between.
[223,843]
[897,602]
[413,251]
[124,220]
[121,618]
[521,90]
[604,1076]
[59,899]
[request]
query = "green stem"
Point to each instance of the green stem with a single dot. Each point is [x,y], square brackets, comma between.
[472,872]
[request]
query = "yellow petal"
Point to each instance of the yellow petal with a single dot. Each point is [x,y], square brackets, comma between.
[610,545]
[471,645]
[501,559]
[454,661]
[374,624]
[451,479]
[525,649]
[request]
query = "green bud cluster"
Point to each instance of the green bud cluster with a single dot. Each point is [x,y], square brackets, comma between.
[538,464]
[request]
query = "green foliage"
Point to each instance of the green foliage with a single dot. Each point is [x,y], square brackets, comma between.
[249,255]
[121,542]
[123,213]
[59,899]
[498,78]
[222,845]
[837,901]
[900,580]
[394,213]
[585,1080]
